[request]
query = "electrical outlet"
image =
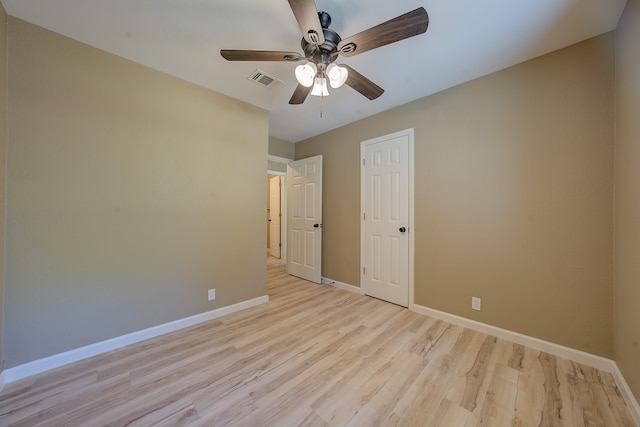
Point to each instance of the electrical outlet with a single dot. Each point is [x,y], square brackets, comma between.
[476,303]
[212,294]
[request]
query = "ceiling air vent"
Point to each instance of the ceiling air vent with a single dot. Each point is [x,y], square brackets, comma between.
[263,78]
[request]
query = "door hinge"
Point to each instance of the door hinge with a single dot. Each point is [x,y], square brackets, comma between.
[364,216]
[363,271]
[364,162]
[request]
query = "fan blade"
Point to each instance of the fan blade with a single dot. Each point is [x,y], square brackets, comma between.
[300,94]
[307,16]
[362,84]
[259,55]
[402,27]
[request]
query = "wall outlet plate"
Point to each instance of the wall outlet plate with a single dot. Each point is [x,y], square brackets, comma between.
[476,303]
[211,294]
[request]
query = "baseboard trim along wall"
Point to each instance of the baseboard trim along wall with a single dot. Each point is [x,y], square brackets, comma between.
[340,285]
[57,360]
[579,356]
[627,394]
[588,359]
[598,362]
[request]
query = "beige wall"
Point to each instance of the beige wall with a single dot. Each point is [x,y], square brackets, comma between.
[130,193]
[3,139]
[627,201]
[276,166]
[513,196]
[281,148]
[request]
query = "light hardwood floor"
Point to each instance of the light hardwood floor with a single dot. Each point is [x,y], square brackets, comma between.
[271,260]
[317,356]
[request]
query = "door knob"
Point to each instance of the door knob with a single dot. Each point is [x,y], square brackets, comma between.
[317,225]
[402,229]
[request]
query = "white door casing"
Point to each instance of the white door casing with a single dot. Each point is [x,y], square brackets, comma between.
[304,218]
[387,217]
[275,216]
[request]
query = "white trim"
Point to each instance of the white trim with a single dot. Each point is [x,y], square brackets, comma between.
[2,380]
[579,356]
[588,359]
[340,285]
[409,133]
[60,359]
[411,227]
[627,394]
[278,159]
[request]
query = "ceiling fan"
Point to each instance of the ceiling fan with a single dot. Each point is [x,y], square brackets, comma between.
[322,46]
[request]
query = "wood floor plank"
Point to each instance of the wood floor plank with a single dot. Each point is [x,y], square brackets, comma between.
[554,411]
[530,397]
[319,356]
[450,414]
[478,374]
[499,404]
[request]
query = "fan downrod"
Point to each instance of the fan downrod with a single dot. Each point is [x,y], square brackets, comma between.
[325,19]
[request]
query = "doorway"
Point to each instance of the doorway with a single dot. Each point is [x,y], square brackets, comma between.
[275,218]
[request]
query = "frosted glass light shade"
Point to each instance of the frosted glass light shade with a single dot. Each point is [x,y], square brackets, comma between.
[337,75]
[320,87]
[305,74]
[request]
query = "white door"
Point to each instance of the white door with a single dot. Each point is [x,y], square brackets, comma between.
[275,216]
[385,218]
[304,218]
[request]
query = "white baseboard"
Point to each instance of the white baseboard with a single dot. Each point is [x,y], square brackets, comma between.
[579,356]
[340,285]
[588,359]
[57,360]
[627,394]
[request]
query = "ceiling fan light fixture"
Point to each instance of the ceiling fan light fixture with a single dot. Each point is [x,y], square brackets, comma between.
[320,87]
[337,75]
[306,73]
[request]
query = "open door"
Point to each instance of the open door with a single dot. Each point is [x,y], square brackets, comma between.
[275,216]
[304,218]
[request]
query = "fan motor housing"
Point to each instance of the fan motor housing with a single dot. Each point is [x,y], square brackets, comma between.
[322,53]
[330,45]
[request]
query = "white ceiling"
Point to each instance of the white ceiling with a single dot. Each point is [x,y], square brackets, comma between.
[466,39]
